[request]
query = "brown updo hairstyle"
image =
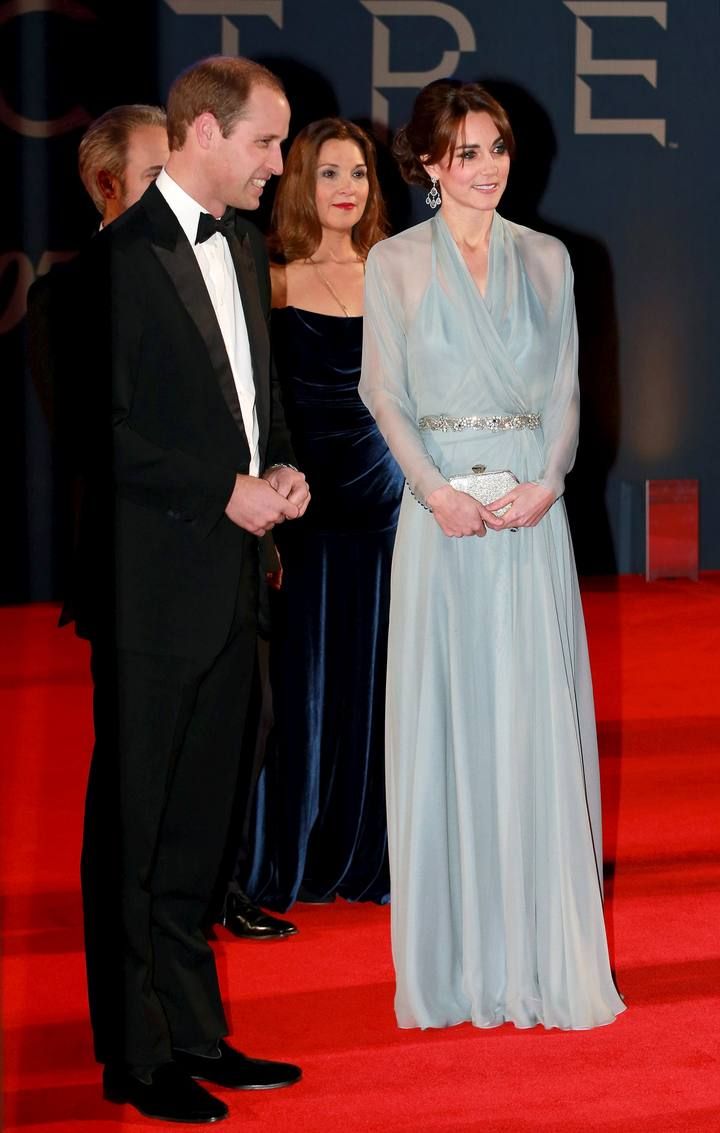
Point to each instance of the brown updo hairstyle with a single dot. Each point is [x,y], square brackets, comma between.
[437,119]
[296,231]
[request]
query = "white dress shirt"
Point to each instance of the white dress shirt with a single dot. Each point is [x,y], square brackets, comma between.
[215,262]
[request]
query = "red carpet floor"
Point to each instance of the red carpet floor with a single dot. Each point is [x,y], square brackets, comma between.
[324,998]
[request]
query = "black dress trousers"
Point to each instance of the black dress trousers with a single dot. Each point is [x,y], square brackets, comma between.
[168,742]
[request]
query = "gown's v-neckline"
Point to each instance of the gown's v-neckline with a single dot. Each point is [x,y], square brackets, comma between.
[491,256]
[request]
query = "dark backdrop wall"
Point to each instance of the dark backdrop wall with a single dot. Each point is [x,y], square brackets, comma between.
[615,107]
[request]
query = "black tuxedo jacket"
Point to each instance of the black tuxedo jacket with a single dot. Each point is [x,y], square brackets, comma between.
[162,435]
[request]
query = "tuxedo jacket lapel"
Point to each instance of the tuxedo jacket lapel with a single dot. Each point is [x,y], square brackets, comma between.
[246,273]
[175,254]
[182,267]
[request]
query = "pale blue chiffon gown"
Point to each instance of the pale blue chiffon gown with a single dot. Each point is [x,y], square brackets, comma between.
[492,763]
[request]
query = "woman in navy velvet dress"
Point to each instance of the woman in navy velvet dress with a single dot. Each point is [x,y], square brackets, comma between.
[320,818]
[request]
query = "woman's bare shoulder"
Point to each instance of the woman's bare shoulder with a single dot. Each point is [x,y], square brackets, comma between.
[289,282]
[278,282]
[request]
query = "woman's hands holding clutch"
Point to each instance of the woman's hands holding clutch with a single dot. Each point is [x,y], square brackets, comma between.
[529,502]
[458,514]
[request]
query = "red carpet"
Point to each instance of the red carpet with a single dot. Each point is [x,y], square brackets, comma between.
[324,998]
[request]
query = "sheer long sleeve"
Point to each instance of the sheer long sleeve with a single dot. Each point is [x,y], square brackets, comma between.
[561,415]
[384,383]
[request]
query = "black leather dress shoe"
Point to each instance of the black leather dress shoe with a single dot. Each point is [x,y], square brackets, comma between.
[237,1072]
[243,919]
[172,1095]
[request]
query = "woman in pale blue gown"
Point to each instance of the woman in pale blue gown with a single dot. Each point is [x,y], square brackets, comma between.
[470,357]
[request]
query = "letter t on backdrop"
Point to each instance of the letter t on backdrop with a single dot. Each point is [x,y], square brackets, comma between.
[230,45]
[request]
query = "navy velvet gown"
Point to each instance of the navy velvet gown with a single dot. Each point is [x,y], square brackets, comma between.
[320,814]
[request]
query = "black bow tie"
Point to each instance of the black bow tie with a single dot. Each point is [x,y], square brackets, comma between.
[208,225]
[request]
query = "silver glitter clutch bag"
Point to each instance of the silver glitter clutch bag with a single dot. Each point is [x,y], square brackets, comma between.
[485,486]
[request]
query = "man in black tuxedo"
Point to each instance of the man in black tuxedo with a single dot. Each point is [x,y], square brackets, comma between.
[119,155]
[186,461]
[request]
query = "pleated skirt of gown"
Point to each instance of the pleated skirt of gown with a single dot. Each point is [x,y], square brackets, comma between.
[492,772]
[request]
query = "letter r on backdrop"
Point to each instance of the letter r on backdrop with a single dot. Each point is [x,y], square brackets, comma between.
[382,76]
[585,64]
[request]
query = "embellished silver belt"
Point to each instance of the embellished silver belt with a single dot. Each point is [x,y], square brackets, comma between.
[444,424]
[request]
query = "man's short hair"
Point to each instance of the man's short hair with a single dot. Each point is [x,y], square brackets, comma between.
[219,85]
[104,145]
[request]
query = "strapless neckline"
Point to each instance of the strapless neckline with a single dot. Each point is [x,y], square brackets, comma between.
[317,314]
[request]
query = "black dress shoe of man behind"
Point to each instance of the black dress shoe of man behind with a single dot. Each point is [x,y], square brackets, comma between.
[244,919]
[233,1070]
[169,1094]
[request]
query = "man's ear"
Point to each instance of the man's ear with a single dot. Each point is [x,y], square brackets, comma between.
[205,127]
[109,185]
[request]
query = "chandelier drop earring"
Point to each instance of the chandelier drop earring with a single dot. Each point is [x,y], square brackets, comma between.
[433,198]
